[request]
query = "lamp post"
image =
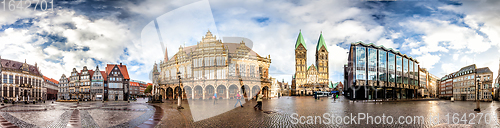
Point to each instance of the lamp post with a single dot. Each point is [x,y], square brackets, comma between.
[478,78]
[179,92]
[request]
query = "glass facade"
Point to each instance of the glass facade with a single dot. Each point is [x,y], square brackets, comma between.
[410,66]
[415,75]
[372,64]
[405,71]
[399,69]
[379,64]
[360,63]
[382,65]
[392,67]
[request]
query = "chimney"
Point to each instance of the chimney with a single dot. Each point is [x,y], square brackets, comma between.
[120,64]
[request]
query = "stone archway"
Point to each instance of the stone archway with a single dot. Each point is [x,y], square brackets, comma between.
[209,92]
[255,90]
[169,93]
[265,91]
[233,90]
[245,89]
[188,92]
[198,92]
[221,92]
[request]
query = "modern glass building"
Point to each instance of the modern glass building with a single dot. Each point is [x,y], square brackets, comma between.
[376,72]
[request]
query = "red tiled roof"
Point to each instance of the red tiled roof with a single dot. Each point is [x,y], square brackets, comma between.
[123,69]
[134,83]
[104,75]
[50,79]
[91,72]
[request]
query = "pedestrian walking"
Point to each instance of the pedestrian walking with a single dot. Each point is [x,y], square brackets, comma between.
[215,97]
[238,99]
[259,102]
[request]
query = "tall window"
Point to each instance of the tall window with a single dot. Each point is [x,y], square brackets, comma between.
[188,71]
[372,64]
[183,73]
[360,62]
[405,71]
[415,74]
[382,65]
[11,79]
[392,67]
[17,80]
[4,79]
[232,69]
[242,70]
[252,71]
[399,69]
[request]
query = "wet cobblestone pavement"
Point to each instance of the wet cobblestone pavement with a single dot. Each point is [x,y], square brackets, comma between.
[283,112]
[85,114]
[278,113]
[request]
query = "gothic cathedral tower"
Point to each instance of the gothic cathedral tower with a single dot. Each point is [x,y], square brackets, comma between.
[322,60]
[300,61]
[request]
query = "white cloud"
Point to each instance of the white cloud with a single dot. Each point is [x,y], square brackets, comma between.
[455,56]
[428,61]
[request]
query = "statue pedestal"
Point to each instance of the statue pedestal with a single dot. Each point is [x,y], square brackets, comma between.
[155,99]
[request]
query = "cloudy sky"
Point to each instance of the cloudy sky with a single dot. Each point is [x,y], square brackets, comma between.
[442,35]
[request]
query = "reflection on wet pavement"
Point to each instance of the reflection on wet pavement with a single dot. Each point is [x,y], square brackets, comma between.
[84,114]
[203,109]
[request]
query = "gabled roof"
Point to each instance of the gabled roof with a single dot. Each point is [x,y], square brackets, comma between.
[104,75]
[312,66]
[91,72]
[122,68]
[300,40]
[321,42]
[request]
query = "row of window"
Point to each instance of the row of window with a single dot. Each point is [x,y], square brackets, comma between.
[209,61]
[14,92]
[15,79]
[115,85]
[387,61]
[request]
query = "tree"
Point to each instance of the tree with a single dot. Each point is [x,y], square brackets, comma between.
[148,89]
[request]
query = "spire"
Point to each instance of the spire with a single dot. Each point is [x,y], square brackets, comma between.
[321,42]
[166,55]
[300,40]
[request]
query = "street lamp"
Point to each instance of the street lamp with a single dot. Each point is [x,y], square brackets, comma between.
[179,92]
[478,78]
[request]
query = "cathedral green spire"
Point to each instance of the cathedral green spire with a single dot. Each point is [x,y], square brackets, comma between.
[300,40]
[321,42]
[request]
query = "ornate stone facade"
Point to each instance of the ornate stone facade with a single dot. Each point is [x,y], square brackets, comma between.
[20,81]
[212,66]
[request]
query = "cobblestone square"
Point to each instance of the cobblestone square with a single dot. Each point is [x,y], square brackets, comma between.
[302,111]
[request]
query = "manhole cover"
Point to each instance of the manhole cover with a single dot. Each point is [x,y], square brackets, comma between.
[269,112]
